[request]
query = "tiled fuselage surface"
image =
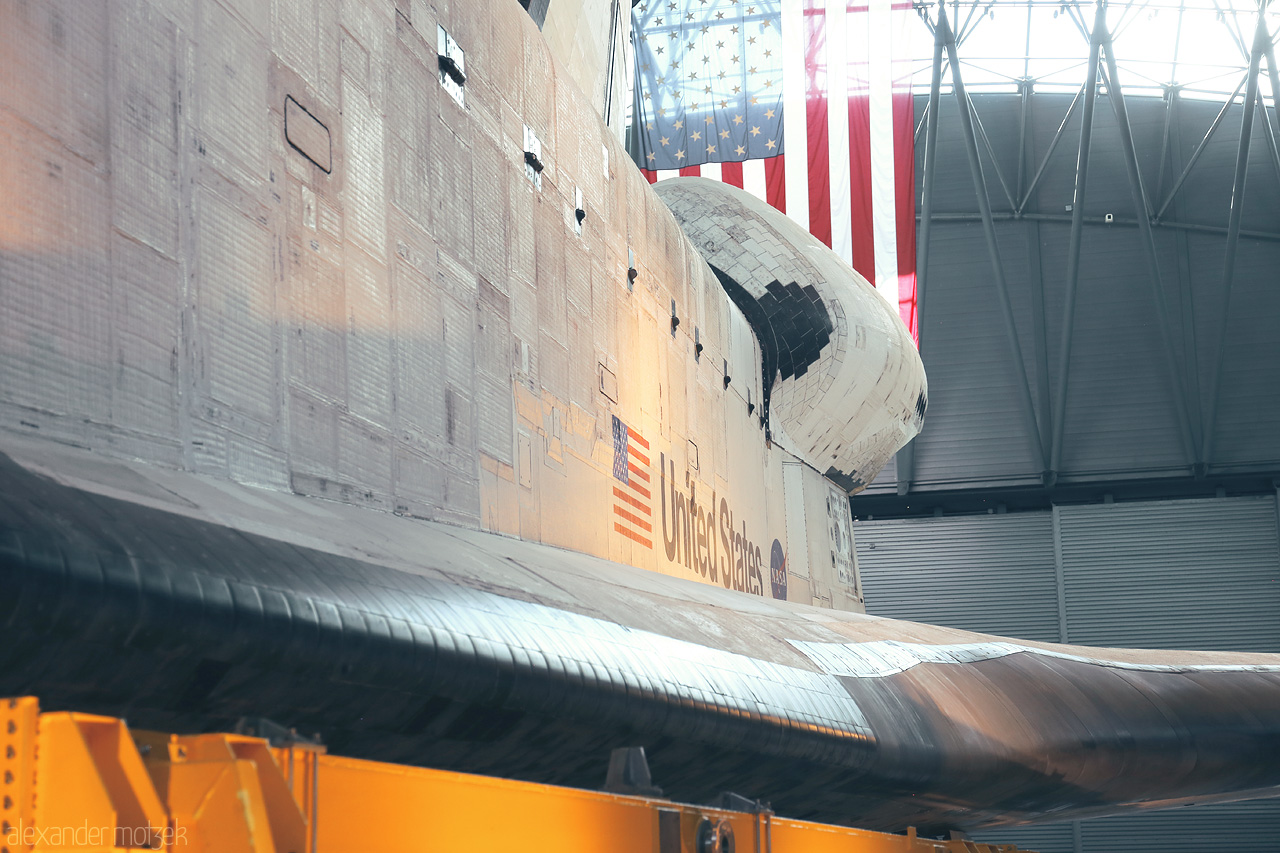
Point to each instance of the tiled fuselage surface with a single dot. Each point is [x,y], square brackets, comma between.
[303,305]
[280,244]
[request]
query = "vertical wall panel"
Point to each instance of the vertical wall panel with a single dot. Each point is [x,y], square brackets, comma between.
[1199,574]
[990,573]
[1048,838]
[1204,829]
[1163,574]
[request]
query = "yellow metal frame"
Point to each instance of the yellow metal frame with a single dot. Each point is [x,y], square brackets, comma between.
[78,782]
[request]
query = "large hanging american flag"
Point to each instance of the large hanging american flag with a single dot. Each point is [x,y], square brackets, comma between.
[744,92]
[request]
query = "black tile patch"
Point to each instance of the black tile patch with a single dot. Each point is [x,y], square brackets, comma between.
[792,324]
[308,135]
[844,481]
[759,321]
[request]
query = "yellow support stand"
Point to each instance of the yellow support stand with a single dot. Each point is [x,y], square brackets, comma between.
[75,782]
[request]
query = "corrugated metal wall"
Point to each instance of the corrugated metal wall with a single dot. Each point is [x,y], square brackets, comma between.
[1174,574]
[945,571]
[1164,574]
[1227,828]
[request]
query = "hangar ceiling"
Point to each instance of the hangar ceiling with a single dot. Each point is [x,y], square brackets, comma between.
[1098,255]
[1200,47]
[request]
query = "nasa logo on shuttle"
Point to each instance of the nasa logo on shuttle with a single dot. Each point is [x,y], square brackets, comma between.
[778,571]
[707,538]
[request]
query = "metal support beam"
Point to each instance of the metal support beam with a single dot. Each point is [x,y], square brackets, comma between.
[1195,155]
[1035,266]
[1073,246]
[1039,333]
[1236,35]
[1117,222]
[1261,40]
[960,35]
[991,152]
[920,126]
[930,179]
[1170,99]
[1060,581]
[1274,74]
[1191,331]
[1024,93]
[906,456]
[1270,135]
[1053,144]
[989,229]
[1115,94]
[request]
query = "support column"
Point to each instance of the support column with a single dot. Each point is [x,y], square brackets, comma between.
[1261,41]
[1025,86]
[1274,74]
[906,456]
[989,229]
[1073,246]
[1116,96]
[1199,149]
[1186,298]
[1053,145]
[1060,576]
[1270,135]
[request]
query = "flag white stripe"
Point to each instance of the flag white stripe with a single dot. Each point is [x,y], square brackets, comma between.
[795,118]
[663,174]
[883,209]
[838,128]
[753,179]
[711,170]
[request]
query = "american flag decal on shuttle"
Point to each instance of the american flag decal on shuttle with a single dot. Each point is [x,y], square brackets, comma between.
[632,501]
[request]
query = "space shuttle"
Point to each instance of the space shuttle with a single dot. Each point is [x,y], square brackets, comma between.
[351,375]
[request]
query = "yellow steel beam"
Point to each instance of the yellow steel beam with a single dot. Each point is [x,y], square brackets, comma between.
[74,782]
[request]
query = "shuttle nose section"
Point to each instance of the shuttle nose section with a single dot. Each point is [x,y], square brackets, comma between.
[844,385]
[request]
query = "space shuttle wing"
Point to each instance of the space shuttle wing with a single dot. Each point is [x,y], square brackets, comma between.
[406,640]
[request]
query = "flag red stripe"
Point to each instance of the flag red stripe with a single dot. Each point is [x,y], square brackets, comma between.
[904,191]
[864,258]
[635,502]
[816,122]
[637,438]
[691,172]
[775,182]
[639,472]
[641,489]
[632,535]
[636,520]
[731,173]
[650,175]
[637,454]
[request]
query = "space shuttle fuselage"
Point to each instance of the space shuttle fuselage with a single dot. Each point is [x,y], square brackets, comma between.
[388,254]
[351,375]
